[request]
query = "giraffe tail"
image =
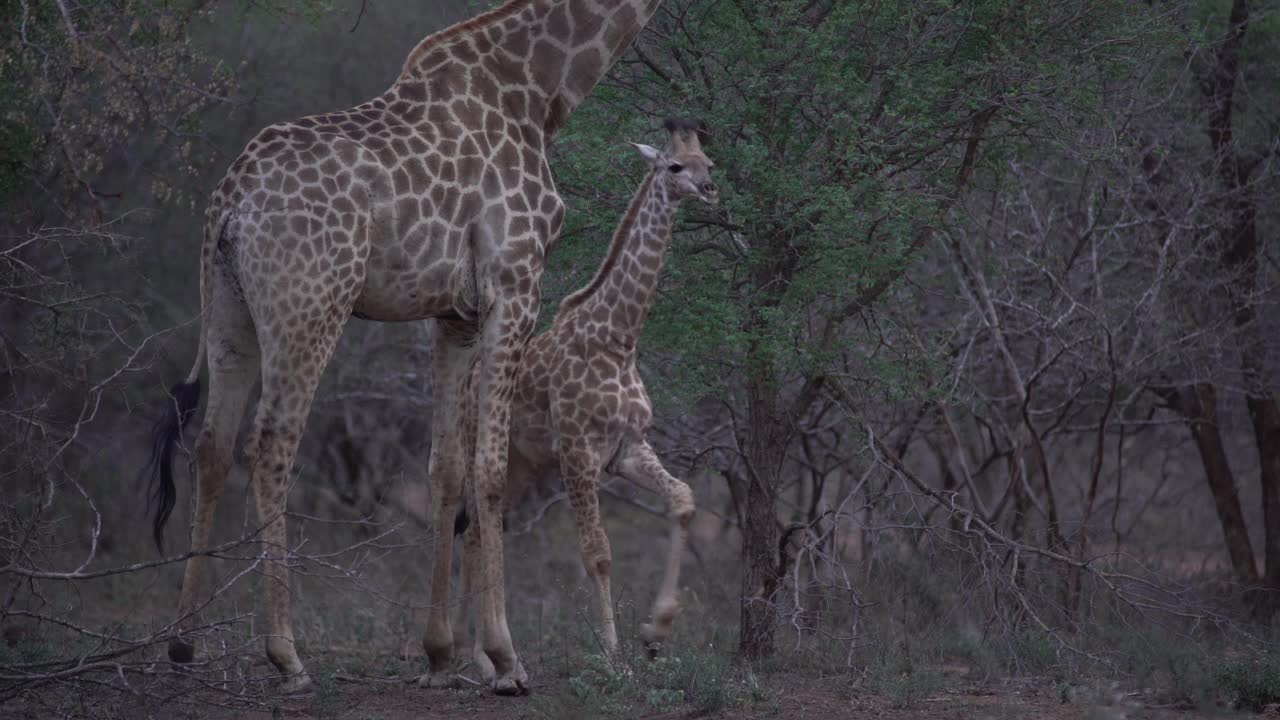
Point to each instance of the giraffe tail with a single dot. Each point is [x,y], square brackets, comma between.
[165,436]
[184,398]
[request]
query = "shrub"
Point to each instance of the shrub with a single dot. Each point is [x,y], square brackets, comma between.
[1253,683]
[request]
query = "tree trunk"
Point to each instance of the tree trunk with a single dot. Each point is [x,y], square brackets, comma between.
[1198,404]
[766,445]
[1241,258]
[1264,415]
[1266,430]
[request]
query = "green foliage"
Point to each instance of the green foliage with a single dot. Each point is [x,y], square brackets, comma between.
[1184,668]
[106,83]
[117,85]
[1252,682]
[841,135]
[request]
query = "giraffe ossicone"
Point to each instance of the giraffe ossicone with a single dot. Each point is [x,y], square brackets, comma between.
[432,200]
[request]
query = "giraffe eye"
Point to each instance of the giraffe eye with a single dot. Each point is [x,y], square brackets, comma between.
[676,168]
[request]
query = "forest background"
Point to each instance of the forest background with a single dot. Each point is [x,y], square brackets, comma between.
[973,370]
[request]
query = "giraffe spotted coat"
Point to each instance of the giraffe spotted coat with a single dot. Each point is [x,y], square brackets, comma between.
[432,200]
[580,405]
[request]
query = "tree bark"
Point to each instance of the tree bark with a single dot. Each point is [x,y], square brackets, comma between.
[1241,256]
[766,446]
[1198,404]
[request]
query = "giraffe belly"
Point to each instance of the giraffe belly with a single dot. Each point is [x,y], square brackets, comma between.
[397,295]
[421,264]
[427,274]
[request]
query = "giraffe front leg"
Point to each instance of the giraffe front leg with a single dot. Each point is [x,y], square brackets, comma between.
[639,464]
[520,477]
[581,464]
[504,332]
[471,587]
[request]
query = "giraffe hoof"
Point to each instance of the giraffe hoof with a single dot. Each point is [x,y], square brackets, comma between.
[439,680]
[652,639]
[299,684]
[512,684]
[181,651]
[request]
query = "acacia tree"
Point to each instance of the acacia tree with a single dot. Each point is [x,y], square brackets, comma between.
[844,133]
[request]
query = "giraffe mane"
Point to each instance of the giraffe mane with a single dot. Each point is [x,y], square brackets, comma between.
[619,241]
[466,27]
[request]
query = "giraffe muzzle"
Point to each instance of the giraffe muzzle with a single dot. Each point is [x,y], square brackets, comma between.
[710,193]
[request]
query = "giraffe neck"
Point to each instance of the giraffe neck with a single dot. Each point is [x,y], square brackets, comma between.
[627,281]
[555,50]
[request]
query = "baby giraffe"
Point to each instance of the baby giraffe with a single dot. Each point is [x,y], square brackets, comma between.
[580,405]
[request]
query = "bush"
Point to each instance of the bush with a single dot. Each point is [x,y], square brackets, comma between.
[1253,683]
[697,683]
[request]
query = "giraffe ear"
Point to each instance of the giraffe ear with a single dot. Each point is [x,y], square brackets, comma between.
[651,154]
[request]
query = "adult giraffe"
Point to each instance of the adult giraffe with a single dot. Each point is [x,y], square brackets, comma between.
[432,200]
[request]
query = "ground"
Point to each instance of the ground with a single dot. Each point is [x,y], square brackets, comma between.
[796,695]
[789,696]
[916,653]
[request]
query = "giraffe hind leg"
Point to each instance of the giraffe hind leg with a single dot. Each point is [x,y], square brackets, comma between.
[451,364]
[297,341]
[233,370]
[291,373]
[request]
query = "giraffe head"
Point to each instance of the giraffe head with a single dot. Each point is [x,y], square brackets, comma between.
[682,166]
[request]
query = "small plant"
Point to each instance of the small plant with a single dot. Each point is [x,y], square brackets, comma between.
[694,683]
[26,650]
[1253,683]
[907,688]
[967,649]
[705,682]
[1035,652]
[902,681]
[326,687]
